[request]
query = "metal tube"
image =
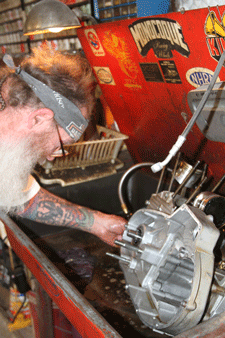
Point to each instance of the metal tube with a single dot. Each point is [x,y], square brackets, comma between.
[196,190]
[128,246]
[160,179]
[133,235]
[122,180]
[218,184]
[122,259]
[174,171]
[204,171]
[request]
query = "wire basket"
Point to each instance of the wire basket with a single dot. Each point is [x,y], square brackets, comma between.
[87,153]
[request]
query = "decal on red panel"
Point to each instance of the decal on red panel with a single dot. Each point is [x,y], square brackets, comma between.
[151,72]
[118,48]
[104,75]
[170,72]
[94,42]
[199,76]
[215,31]
[162,35]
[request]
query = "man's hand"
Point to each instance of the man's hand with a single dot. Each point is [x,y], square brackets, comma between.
[108,227]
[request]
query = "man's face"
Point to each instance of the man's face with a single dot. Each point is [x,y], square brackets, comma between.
[24,142]
[18,156]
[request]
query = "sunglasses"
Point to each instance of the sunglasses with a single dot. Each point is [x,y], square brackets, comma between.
[64,152]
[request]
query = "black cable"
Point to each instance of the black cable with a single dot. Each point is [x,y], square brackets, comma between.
[4,260]
[14,318]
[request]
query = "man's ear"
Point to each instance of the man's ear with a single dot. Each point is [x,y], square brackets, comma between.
[40,118]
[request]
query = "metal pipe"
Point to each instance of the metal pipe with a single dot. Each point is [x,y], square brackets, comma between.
[196,190]
[133,235]
[218,183]
[204,171]
[122,259]
[123,178]
[160,179]
[174,171]
[128,246]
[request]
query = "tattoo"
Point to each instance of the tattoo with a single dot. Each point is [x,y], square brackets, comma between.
[50,209]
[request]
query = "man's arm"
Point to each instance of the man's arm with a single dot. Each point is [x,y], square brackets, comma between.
[48,208]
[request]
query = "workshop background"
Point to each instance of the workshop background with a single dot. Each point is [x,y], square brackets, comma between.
[24,302]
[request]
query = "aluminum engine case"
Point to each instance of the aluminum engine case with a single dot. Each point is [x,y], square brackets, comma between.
[170,268]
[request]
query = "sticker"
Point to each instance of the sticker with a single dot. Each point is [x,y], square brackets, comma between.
[117,47]
[162,35]
[199,76]
[94,42]
[170,72]
[215,33]
[151,72]
[104,75]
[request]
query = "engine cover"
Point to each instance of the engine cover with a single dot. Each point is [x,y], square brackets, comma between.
[168,263]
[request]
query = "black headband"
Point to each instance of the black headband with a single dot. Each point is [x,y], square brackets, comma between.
[66,113]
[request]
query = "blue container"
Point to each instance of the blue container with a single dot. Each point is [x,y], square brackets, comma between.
[148,7]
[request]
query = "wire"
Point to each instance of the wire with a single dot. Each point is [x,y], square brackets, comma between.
[182,138]
[20,308]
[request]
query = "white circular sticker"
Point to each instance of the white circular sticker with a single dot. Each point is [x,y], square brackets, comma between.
[199,76]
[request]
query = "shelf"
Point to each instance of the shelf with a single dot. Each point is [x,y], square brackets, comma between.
[119,17]
[8,5]
[116,6]
[112,10]
[11,21]
[19,49]
[13,15]
[76,4]
[13,32]
[12,43]
[62,44]
[56,38]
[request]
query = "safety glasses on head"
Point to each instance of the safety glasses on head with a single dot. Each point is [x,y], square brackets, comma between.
[66,113]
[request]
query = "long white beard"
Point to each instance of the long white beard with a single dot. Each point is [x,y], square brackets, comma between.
[16,163]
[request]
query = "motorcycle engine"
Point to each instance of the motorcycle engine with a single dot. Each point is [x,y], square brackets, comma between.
[167,257]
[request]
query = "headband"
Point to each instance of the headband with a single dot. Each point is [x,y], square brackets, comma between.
[66,113]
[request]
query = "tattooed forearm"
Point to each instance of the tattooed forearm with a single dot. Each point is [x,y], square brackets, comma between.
[50,209]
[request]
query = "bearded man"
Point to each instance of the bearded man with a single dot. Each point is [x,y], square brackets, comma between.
[45,103]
